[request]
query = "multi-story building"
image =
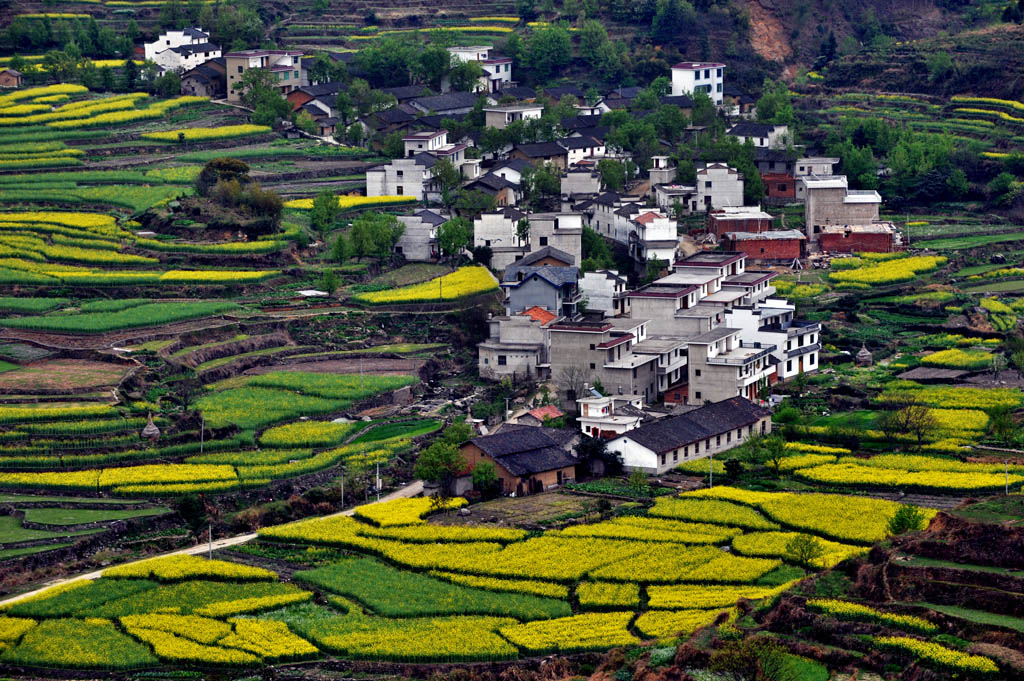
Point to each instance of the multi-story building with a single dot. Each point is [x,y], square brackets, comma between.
[779,244]
[554,289]
[172,39]
[718,186]
[797,343]
[285,66]
[517,346]
[418,242]
[605,291]
[602,352]
[707,77]
[607,416]
[829,201]
[724,365]
[563,231]
[497,69]
[414,174]
[499,232]
[501,117]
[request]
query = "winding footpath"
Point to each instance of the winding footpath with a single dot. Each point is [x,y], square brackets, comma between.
[413,489]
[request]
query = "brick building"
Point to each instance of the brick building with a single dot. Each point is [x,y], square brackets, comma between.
[878,237]
[738,219]
[783,244]
[527,459]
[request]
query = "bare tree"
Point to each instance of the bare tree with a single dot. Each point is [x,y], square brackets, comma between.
[571,379]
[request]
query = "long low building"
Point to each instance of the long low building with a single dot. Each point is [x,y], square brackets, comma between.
[664,444]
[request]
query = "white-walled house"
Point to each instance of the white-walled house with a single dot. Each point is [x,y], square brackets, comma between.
[764,135]
[797,343]
[497,70]
[718,186]
[498,232]
[660,446]
[418,242]
[181,51]
[608,416]
[707,77]
[414,174]
[605,291]
[501,117]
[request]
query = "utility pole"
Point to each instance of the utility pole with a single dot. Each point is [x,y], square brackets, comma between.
[343,489]
[506,409]
[202,433]
[711,471]
[378,481]
[210,552]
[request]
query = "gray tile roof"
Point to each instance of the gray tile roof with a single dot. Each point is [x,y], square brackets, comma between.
[547,251]
[556,276]
[700,424]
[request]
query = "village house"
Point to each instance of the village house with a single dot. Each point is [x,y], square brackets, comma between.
[497,69]
[563,231]
[414,174]
[738,219]
[501,116]
[607,416]
[828,201]
[551,288]
[602,351]
[579,148]
[761,134]
[527,459]
[782,244]
[540,153]
[181,50]
[797,343]
[606,292]
[285,66]
[418,242]
[10,78]
[517,346]
[878,237]
[209,79]
[537,416]
[723,365]
[706,77]
[579,182]
[660,446]
[450,103]
[498,231]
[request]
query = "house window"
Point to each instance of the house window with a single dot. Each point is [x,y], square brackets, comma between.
[240,69]
[399,190]
[592,366]
[810,360]
[718,440]
[707,185]
[502,360]
[728,437]
[719,87]
[486,361]
[543,241]
[675,455]
[400,173]
[686,451]
[487,242]
[719,73]
[296,74]
[697,395]
[592,346]
[696,372]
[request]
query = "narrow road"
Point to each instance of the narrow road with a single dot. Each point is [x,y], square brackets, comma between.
[411,490]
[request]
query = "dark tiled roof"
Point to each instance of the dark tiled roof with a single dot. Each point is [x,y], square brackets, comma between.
[540,149]
[517,91]
[406,92]
[546,252]
[556,276]
[576,122]
[204,73]
[430,217]
[598,132]
[343,57]
[626,92]
[536,461]
[452,100]
[699,424]
[322,89]
[563,90]
[490,181]
[749,129]
[193,49]
[682,101]
[582,142]
[512,213]
[513,441]
[195,33]
[516,164]
[393,116]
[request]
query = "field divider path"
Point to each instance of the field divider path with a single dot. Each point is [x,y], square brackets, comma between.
[413,489]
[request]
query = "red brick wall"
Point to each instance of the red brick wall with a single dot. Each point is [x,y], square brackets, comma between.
[9,80]
[872,242]
[769,249]
[719,226]
[777,185]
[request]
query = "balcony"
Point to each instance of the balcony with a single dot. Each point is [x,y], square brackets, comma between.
[803,350]
[793,328]
[743,355]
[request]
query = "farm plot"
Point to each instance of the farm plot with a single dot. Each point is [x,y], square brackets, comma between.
[61,376]
[491,593]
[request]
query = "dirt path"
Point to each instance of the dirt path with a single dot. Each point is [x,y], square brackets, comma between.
[412,489]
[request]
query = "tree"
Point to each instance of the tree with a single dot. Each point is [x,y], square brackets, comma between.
[259,92]
[548,50]
[593,37]
[393,146]
[354,134]
[131,74]
[304,122]
[343,105]
[375,234]
[571,379]
[433,64]
[757,658]
[329,281]
[915,419]
[485,479]
[940,66]
[672,19]
[471,204]
[775,105]
[453,236]
[388,63]
[193,511]
[449,180]
[167,85]
[637,483]
[324,212]
[523,231]
[704,111]
[613,174]
[804,549]
[762,450]
[596,253]
[340,251]
[465,76]
[440,463]
[221,170]
[526,9]
[907,518]
[539,184]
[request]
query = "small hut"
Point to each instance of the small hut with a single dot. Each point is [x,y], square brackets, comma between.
[151,432]
[864,358]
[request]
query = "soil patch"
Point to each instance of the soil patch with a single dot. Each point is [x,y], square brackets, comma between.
[61,375]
